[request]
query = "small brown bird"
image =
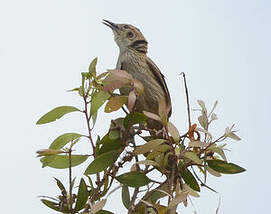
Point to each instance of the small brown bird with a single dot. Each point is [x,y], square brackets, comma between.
[133,59]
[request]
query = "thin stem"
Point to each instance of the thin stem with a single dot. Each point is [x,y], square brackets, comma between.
[88,124]
[130,211]
[172,175]
[201,183]
[136,191]
[70,180]
[187,99]
[207,147]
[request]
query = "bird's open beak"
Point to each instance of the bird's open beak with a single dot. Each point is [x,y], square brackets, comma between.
[112,25]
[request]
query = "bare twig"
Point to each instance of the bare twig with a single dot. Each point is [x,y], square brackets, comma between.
[187,99]
[201,183]
[219,202]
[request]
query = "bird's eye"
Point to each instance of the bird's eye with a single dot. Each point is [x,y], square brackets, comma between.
[130,34]
[125,26]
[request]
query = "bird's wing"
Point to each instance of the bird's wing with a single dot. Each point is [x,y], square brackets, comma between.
[161,79]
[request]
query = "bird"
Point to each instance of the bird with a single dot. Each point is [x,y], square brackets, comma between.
[133,48]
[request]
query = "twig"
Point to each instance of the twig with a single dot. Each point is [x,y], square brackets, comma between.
[187,99]
[201,183]
[219,202]
[88,124]
[130,211]
[70,180]
[136,191]
[207,147]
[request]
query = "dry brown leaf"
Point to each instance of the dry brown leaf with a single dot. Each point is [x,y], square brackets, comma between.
[115,103]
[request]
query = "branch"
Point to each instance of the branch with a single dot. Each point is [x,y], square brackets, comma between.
[89,128]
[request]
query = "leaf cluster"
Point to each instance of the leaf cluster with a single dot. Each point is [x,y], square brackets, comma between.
[183,160]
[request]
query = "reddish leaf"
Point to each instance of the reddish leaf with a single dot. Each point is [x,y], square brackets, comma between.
[131,100]
[121,74]
[191,132]
[111,83]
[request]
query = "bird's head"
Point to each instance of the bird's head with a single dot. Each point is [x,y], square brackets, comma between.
[128,36]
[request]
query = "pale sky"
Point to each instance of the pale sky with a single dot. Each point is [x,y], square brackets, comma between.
[222,46]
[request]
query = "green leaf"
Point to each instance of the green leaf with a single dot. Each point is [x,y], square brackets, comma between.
[148,162]
[97,148]
[82,196]
[162,148]
[56,113]
[174,132]
[98,99]
[133,179]
[62,140]
[47,160]
[73,180]
[92,67]
[203,120]
[62,161]
[110,144]
[224,167]
[101,162]
[115,103]
[94,118]
[74,89]
[166,161]
[61,186]
[114,134]
[157,193]
[125,195]
[81,91]
[153,155]
[190,180]
[148,146]
[51,204]
[135,118]
[193,156]
[212,172]
[202,105]
[219,151]
[49,152]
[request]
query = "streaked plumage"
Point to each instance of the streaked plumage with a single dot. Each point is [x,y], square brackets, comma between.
[133,58]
